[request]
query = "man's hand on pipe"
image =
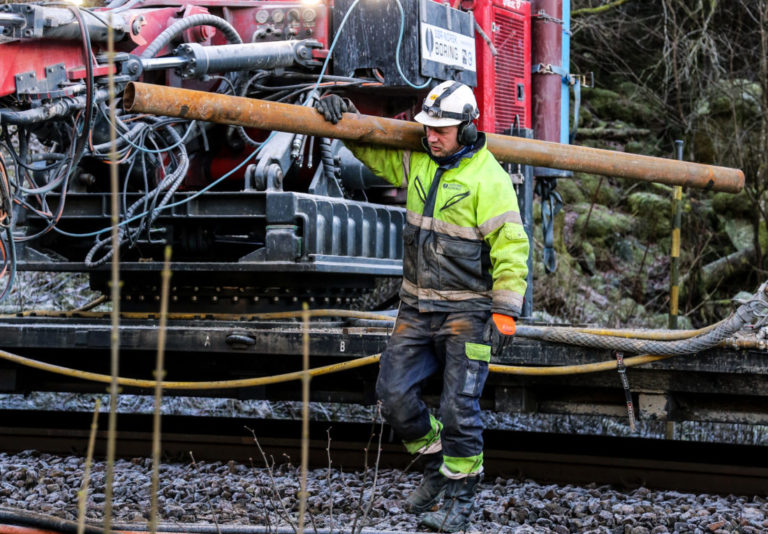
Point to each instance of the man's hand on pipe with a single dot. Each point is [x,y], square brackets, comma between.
[332,106]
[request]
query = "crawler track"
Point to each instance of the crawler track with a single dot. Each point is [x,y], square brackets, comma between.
[547,458]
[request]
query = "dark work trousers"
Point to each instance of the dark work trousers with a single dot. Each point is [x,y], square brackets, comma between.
[424,344]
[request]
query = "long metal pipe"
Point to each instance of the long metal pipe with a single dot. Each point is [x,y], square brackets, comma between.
[265,115]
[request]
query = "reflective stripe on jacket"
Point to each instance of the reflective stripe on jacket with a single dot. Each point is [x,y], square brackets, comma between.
[465,246]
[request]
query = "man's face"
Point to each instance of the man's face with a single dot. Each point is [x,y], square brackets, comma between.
[442,141]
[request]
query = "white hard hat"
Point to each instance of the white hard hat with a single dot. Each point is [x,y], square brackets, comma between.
[448,104]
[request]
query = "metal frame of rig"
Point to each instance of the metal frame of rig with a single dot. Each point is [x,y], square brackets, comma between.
[723,384]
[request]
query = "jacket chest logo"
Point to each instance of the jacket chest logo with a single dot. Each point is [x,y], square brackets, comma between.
[456,193]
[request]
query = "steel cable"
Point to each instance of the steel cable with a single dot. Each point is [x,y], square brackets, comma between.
[755,308]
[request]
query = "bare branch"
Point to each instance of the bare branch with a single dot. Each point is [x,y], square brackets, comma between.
[597,10]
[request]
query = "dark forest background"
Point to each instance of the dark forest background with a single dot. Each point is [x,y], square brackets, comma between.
[695,70]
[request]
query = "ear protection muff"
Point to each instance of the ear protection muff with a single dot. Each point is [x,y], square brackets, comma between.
[467,133]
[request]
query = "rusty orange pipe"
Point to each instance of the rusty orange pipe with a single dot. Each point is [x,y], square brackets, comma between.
[15,529]
[265,115]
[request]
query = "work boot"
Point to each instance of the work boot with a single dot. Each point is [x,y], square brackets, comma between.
[431,488]
[458,503]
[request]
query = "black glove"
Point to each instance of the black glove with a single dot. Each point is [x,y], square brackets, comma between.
[499,331]
[332,106]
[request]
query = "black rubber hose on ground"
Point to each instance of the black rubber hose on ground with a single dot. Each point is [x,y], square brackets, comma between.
[32,519]
[26,518]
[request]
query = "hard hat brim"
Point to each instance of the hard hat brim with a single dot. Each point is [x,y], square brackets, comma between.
[435,122]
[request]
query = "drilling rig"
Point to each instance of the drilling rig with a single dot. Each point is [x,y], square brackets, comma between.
[258,219]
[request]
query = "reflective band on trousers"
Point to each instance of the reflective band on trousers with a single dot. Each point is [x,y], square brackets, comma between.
[456,468]
[426,443]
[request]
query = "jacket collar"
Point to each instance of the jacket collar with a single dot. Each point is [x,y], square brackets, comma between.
[453,161]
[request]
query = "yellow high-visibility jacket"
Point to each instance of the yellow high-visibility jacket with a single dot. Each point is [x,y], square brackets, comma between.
[465,247]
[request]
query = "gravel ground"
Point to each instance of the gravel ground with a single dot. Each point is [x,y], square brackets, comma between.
[232,493]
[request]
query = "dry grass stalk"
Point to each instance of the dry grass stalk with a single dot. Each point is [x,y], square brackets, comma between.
[159,376]
[376,467]
[207,497]
[305,378]
[82,495]
[328,480]
[275,492]
[115,335]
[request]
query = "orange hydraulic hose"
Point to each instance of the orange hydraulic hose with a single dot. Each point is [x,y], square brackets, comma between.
[572,369]
[15,529]
[213,384]
[265,316]
[317,371]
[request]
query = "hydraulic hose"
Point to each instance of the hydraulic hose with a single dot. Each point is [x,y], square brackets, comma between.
[201,19]
[756,307]
[167,187]
[579,369]
[37,523]
[123,6]
[326,156]
[327,369]
[214,384]
[265,316]
[121,139]
[59,108]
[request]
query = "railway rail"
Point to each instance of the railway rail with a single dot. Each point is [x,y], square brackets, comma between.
[544,457]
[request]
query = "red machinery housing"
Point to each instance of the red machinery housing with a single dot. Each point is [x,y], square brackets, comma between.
[233,202]
[504,80]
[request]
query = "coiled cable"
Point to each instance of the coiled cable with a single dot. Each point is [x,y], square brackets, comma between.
[158,198]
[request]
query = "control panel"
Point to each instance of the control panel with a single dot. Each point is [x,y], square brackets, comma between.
[283,20]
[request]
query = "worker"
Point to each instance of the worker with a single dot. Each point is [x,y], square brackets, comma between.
[464,277]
